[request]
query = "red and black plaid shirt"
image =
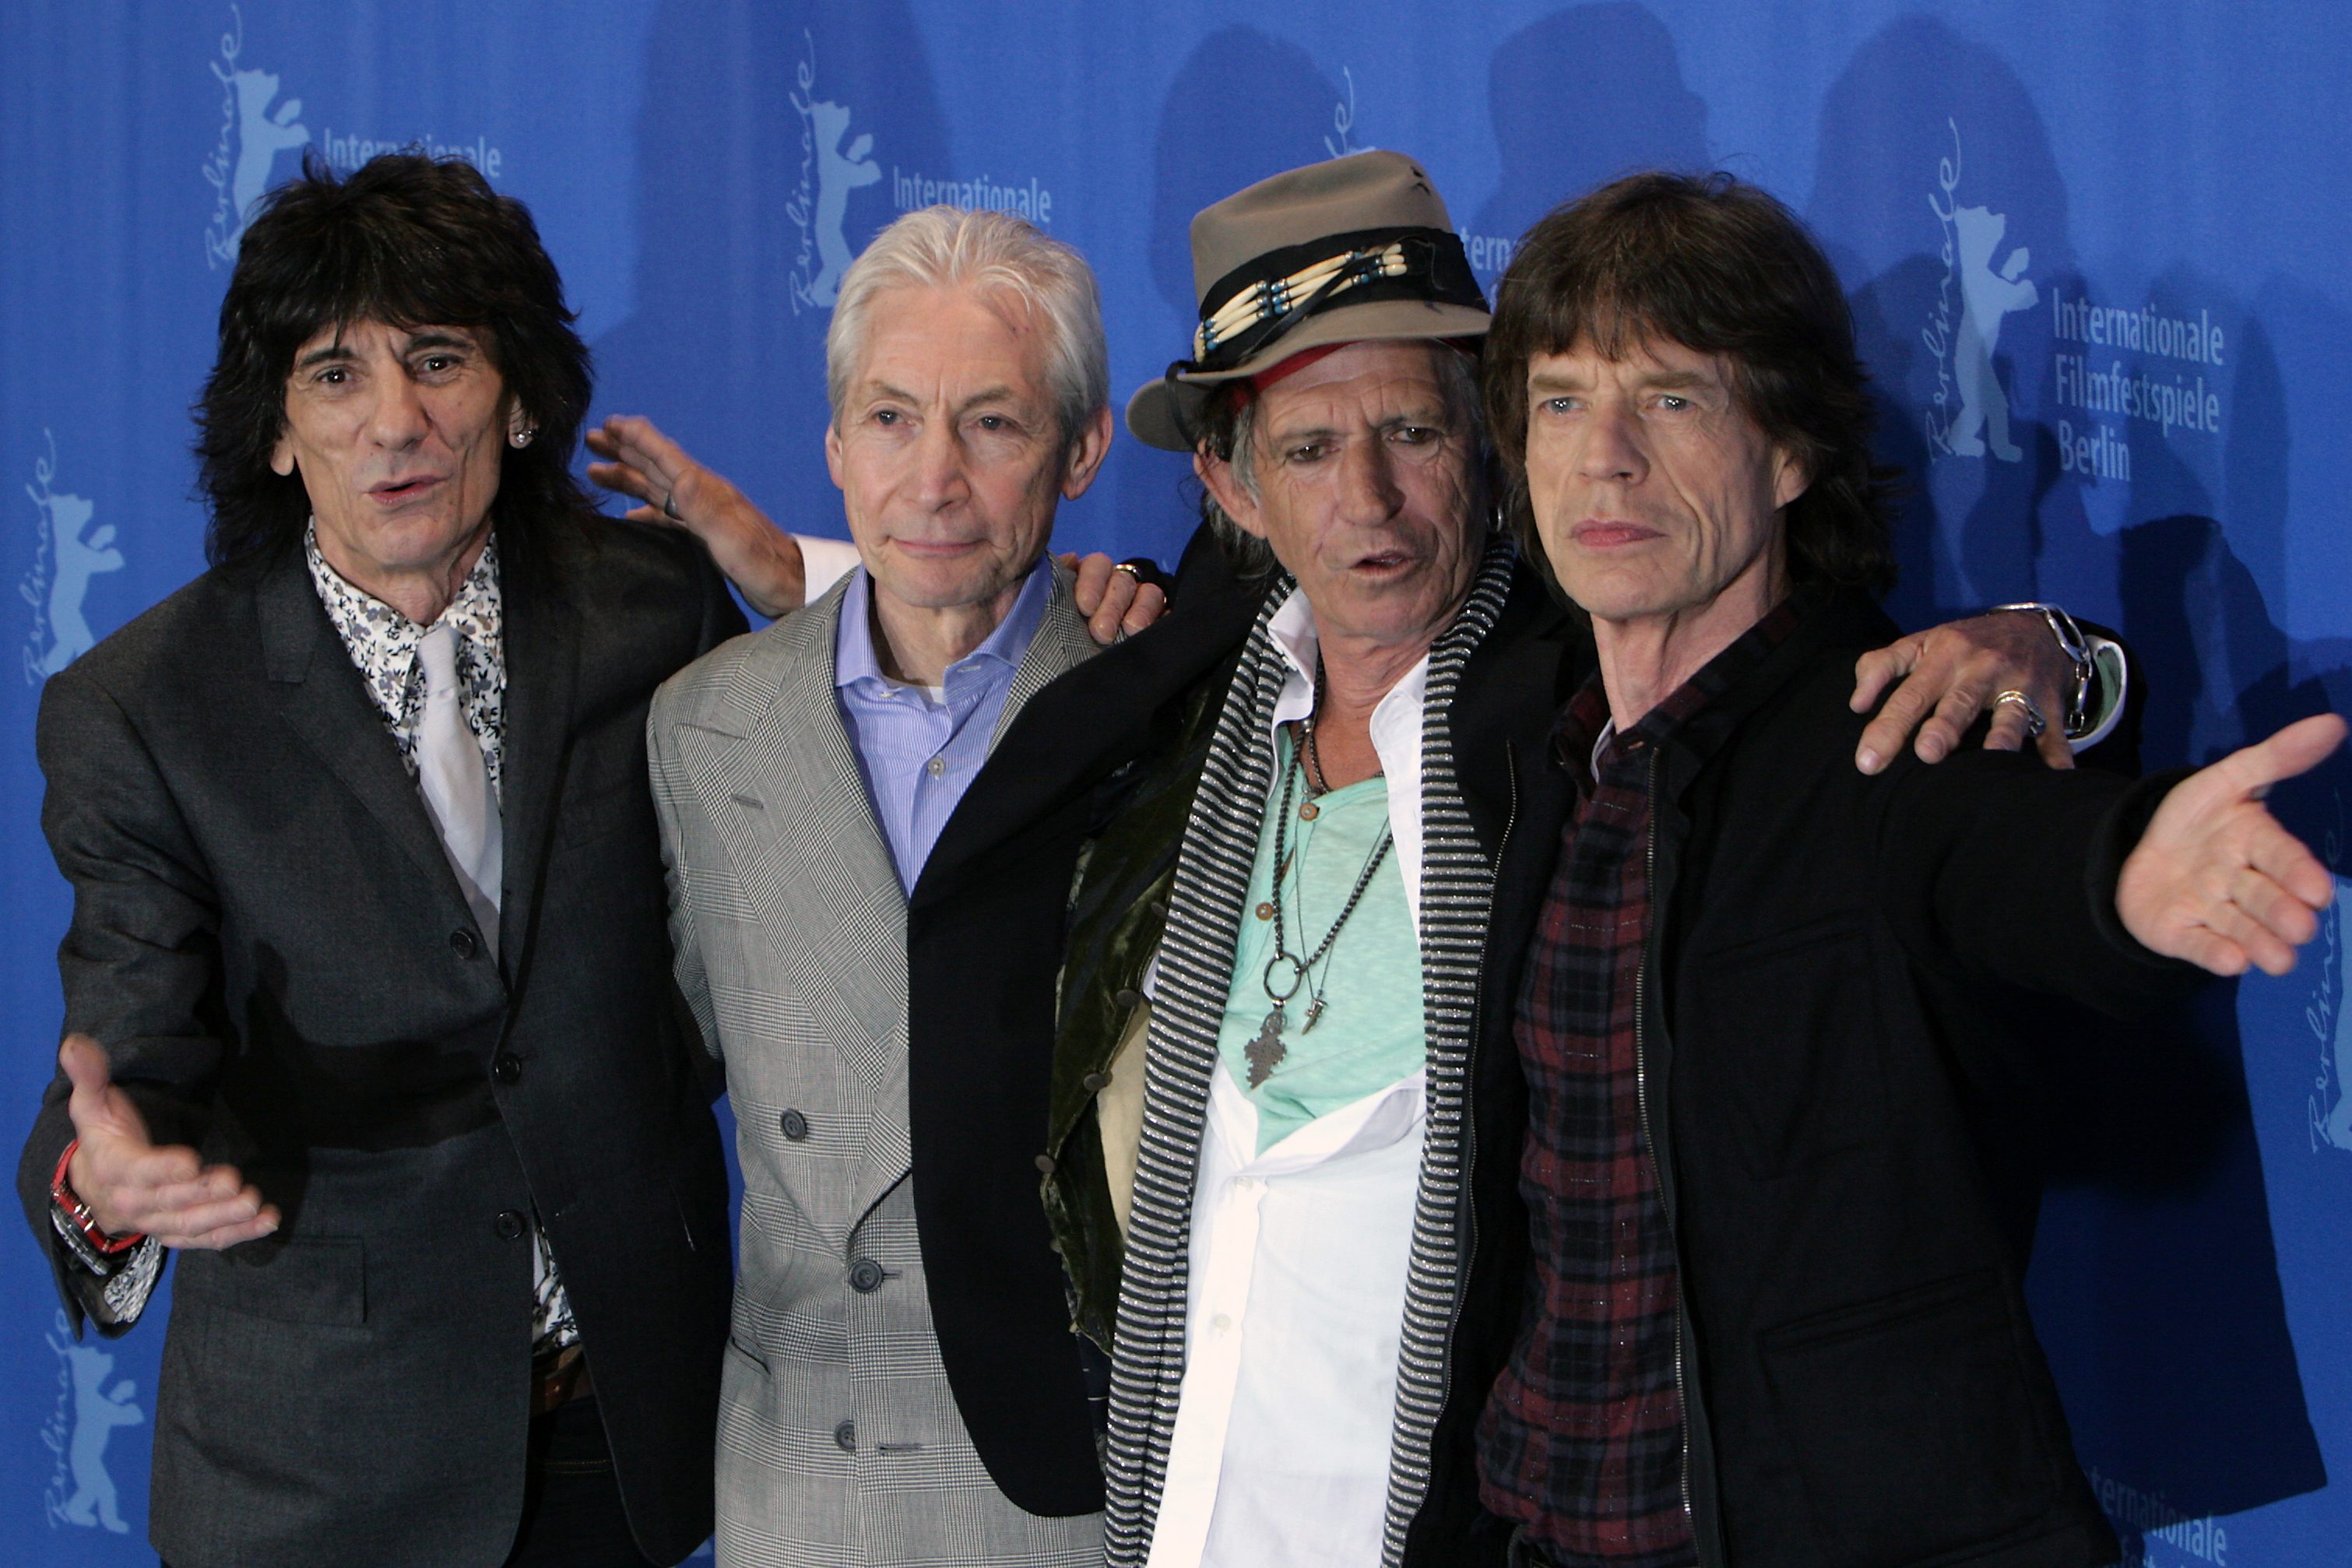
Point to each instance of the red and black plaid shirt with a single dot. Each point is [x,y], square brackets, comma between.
[1582,1443]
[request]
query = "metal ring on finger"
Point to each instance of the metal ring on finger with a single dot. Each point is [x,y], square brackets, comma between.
[2034,723]
[1129,567]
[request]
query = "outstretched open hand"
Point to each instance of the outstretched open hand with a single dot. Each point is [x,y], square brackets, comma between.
[761,560]
[132,1187]
[2215,879]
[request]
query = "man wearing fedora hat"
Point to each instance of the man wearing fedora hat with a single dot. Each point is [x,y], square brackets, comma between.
[1251,875]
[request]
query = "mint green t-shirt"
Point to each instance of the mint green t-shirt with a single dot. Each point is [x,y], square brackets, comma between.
[1371,1033]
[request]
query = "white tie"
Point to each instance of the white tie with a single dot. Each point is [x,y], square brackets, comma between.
[456,783]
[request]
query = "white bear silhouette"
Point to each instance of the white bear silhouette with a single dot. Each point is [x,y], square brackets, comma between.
[1985,298]
[260,136]
[837,175]
[78,560]
[98,1411]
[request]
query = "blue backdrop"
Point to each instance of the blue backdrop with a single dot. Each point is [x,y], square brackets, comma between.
[2092,249]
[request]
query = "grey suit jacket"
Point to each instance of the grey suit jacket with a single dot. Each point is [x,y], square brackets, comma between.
[839,1440]
[267,940]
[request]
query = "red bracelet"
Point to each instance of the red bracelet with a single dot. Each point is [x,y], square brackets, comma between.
[70,1204]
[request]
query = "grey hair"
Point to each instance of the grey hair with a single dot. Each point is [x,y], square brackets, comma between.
[996,253]
[1229,432]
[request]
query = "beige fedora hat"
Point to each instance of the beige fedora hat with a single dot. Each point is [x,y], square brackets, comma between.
[1354,250]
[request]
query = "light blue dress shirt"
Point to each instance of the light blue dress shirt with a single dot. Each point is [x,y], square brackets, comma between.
[919,754]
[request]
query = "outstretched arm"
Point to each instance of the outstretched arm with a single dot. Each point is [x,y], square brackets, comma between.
[771,568]
[761,560]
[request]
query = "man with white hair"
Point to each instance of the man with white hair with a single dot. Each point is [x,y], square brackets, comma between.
[801,776]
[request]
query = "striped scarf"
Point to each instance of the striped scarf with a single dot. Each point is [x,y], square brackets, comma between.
[1194,973]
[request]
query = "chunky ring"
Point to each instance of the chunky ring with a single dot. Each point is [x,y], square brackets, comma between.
[669,506]
[2034,723]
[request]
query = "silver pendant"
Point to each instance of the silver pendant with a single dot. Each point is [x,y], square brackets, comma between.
[1266,1051]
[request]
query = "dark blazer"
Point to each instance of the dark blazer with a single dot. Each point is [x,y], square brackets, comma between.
[1828,960]
[268,941]
[988,938]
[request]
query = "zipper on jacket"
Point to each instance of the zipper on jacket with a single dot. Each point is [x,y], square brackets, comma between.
[1642,1112]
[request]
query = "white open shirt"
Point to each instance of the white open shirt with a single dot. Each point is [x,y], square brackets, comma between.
[1294,1306]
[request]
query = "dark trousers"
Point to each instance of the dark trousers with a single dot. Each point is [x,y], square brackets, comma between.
[572,1514]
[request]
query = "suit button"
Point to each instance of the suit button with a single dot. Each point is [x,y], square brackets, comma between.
[795,1125]
[1127,999]
[1045,1163]
[1095,1082]
[865,1277]
[507,1067]
[844,1436]
[463,943]
[508,1225]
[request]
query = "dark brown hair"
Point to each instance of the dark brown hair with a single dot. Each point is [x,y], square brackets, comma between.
[1718,266]
[410,241]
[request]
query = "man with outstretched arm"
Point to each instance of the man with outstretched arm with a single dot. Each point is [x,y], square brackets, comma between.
[1773,1313]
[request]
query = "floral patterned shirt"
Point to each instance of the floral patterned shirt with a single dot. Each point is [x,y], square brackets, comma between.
[382,643]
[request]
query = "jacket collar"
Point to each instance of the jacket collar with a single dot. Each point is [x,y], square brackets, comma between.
[1827,619]
[1101,715]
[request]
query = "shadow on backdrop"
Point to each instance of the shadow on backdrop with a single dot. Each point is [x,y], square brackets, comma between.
[764,155]
[2155,1276]
[1243,106]
[1578,98]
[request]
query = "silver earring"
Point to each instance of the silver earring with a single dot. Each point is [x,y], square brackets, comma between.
[521,438]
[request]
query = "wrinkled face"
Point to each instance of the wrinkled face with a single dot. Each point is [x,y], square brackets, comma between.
[1655,494]
[947,450]
[1367,489]
[398,433]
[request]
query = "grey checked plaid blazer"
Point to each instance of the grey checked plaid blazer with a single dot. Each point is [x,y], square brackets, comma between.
[839,1441]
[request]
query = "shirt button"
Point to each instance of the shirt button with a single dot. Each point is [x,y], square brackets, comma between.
[844,1436]
[507,1067]
[1309,812]
[865,1277]
[1221,1323]
[1266,912]
[463,943]
[795,1125]
[1246,1184]
[938,766]
[508,1225]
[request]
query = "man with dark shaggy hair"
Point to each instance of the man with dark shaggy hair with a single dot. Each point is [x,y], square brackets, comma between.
[367,977]
[1772,1315]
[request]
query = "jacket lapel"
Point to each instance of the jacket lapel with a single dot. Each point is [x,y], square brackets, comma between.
[542,660]
[784,793]
[1062,643]
[322,699]
[1099,718]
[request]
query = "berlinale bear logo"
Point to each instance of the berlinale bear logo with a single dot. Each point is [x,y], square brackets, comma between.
[820,203]
[1964,350]
[255,130]
[64,560]
[88,1409]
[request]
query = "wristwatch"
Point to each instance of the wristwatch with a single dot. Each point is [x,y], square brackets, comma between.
[2077,649]
[102,1252]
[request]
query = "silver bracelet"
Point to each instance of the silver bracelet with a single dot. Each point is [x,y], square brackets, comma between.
[2076,647]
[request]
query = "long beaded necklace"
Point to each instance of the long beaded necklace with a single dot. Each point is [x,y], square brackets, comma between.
[1266,1051]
